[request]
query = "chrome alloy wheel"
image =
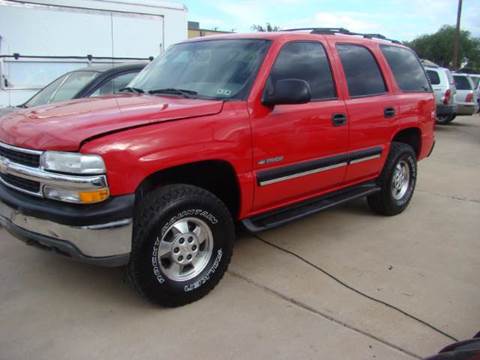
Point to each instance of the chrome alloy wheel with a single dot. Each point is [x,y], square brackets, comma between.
[400,180]
[185,249]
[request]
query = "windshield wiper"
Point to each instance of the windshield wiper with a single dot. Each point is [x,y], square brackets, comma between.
[132,90]
[183,92]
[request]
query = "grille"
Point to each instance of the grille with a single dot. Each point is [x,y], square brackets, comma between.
[21,183]
[19,157]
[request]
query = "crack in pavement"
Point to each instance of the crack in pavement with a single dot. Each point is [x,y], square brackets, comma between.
[351,288]
[310,309]
[453,197]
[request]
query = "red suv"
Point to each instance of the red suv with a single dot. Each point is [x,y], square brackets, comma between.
[260,129]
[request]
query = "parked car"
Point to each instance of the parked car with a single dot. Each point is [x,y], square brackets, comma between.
[259,129]
[466,97]
[90,81]
[444,89]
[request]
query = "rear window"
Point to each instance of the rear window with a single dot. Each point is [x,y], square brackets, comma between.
[462,83]
[406,68]
[433,77]
[361,70]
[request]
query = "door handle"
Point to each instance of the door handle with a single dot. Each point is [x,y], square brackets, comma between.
[339,119]
[389,112]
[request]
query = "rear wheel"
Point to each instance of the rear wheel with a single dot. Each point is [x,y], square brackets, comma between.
[182,245]
[397,181]
[445,119]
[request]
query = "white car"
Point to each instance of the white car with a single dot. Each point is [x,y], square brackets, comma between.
[466,97]
[444,89]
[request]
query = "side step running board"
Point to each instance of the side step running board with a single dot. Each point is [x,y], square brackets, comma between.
[285,215]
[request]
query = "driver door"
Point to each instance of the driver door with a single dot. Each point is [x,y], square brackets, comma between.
[300,150]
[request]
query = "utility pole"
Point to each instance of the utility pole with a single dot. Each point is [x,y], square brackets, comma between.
[456,40]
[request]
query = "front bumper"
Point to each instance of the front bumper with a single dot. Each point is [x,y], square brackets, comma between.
[100,234]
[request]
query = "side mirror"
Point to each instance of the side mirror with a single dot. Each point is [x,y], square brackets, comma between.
[287,91]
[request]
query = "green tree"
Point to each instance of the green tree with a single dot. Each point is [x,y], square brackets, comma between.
[268,28]
[438,47]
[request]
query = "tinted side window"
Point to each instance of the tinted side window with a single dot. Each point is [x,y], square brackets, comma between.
[361,70]
[307,61]
[462,83]
[406,68]
[433,76]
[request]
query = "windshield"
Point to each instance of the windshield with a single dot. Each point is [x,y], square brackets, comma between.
[64,88]
[214,69]
[462,83]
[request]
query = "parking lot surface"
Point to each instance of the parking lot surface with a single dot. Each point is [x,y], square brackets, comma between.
[342,284]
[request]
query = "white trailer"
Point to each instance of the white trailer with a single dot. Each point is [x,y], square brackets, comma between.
[51,37]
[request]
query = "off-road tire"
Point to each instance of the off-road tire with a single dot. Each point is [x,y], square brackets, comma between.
[153,215]
[384,202]
[445,119]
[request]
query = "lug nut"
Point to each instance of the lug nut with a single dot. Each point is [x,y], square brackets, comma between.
[189,257]
[180,258]
[176,250]
[190,239]
[181,241]
[194,247]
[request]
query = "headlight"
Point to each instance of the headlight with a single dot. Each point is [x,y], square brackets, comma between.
[72,163]
[85,189]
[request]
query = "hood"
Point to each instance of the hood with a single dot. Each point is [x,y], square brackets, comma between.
[7,110]
[64,126]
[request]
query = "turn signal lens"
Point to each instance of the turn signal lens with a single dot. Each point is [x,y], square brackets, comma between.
[76,196]
[91,197]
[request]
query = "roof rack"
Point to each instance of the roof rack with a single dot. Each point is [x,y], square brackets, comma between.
[343,31]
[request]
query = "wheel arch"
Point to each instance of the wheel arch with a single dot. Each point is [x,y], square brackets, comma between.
[411,136]
[217,176]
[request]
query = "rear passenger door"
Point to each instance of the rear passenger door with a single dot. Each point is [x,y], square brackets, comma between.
[299,150]
[370,111]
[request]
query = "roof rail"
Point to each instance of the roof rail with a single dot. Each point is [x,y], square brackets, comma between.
[333,31]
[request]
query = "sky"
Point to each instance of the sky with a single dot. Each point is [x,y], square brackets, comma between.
[397,19]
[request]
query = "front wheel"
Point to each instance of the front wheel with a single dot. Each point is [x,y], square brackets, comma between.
[183,242]
[397,181]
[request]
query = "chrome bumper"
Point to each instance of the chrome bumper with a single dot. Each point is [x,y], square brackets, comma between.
[87,243]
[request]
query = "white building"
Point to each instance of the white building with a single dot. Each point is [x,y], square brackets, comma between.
[55,36]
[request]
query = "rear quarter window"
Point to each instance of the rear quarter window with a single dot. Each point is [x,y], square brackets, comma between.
[406,69]
[433,77]
[462,83]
